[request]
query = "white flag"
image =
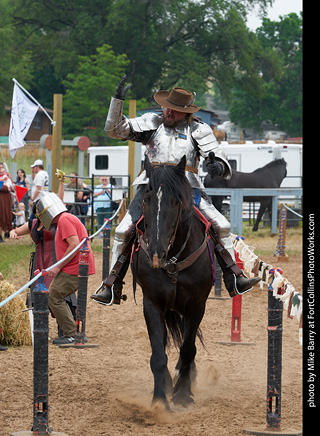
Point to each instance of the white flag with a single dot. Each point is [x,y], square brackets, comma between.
[22,114]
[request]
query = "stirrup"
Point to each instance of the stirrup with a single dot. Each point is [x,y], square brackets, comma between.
[97,291]
[235,291]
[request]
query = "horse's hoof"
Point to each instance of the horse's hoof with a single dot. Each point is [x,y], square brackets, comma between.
[160,405]
[181,402]
[177,407]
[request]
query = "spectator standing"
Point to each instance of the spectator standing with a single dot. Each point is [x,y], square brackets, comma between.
[40,181]
[23,181]
[85,199]
[20,215]
[5,201]
[102,200]
[77,187]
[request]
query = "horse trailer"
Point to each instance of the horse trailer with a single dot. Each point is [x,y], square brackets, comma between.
[249,156]
[244,157]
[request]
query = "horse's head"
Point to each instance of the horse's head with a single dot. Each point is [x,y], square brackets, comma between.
[168,195]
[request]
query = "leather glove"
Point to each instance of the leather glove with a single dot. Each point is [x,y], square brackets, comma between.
[121,90]
[215,169]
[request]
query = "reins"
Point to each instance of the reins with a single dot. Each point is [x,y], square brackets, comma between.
[173,266]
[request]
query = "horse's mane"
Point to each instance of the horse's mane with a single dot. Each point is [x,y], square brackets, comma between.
[173,182]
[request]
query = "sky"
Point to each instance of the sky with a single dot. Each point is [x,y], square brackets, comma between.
[280,7]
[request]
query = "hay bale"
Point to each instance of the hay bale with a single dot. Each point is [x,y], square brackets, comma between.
[14,324]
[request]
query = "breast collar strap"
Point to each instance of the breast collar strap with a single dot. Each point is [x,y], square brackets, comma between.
[173,267]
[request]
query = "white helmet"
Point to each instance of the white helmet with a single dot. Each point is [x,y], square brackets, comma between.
[48,207]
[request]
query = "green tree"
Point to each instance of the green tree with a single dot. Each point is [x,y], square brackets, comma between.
[15,60]
[181,42]
[57,32]
[88,91]
[167,42]
[89,88]
[274,90]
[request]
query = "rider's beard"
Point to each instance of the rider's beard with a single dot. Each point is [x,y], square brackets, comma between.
[171,122]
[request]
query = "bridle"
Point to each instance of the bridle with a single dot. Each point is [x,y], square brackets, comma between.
[143,242]
[173,266]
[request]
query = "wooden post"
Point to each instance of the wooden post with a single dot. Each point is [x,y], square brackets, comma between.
[122,210]
[56,140]
[131,157]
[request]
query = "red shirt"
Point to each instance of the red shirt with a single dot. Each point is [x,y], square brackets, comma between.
[69,225]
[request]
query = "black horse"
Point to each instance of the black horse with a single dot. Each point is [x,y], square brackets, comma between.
[173,264]
[269,176]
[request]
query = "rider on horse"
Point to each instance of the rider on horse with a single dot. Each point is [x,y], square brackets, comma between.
[168,137]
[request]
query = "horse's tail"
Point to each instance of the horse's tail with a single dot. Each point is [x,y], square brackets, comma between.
[175,325]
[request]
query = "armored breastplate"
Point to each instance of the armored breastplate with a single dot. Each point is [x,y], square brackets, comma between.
[169,144]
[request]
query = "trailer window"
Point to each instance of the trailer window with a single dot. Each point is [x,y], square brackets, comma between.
[102,162]
[233,164]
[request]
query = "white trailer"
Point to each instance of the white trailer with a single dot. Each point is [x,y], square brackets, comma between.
[244,157]
[113,161]
[247,157]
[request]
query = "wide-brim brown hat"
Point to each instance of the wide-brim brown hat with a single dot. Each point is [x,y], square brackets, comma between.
[179,99]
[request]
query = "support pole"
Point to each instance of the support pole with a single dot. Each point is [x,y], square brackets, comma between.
[40,359]
[275,310]
[56,140]
[274,372]
[218,283]
[131,144]
[80,334]
[236,314]
[236,309]
[40,365]
[106,252]
[281,245]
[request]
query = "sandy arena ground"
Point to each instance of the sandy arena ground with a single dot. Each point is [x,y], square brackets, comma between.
[107,390]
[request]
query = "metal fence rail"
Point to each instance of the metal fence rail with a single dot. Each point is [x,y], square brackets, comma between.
[91,218]
[237,195]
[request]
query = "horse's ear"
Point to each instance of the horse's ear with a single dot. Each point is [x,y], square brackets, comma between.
[181,167]
[147,166]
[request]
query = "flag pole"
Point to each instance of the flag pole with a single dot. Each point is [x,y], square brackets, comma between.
[36,101]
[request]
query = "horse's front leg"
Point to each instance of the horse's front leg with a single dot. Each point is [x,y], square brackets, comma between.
[182,394]
[263,206]
[158,361]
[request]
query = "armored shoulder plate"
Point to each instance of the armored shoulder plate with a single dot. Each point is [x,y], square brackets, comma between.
[206,142]
[204,137]
[148,121]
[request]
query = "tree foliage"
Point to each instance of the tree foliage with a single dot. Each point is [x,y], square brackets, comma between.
[277,93]
[81,49]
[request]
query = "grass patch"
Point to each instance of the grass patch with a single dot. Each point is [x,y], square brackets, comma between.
[13,253]
[265,243]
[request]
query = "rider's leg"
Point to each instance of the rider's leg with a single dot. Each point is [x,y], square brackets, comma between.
[122,236]
[235,281]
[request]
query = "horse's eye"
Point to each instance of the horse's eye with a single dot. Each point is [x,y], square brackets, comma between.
[174,202]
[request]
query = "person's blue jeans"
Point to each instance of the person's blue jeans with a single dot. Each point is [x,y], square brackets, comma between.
[102,214]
